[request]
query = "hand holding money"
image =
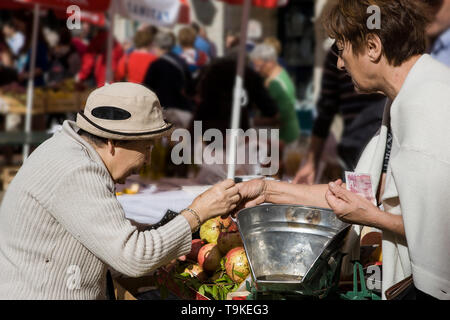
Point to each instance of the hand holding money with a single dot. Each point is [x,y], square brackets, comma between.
[349,206]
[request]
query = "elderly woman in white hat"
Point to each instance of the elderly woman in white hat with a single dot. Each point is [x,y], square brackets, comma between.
[60,212]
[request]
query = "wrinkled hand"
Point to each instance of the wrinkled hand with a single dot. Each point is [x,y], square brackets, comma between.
[306,174]
[348,206]
[252,192]
[218,200]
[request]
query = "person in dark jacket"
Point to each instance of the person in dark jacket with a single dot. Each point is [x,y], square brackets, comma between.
[169,76]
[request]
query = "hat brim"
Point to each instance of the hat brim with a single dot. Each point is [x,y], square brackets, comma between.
[87,125]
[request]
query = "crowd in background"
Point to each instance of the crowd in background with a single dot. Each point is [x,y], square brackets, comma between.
[183,68]
[194,83]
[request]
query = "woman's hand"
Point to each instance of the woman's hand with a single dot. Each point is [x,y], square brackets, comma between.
[218,200]
[350,207]
[252,192]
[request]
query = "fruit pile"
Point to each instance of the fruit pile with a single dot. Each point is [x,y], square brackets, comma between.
[217,263]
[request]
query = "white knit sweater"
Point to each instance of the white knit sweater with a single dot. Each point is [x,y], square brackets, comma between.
[61,226]
[417,180]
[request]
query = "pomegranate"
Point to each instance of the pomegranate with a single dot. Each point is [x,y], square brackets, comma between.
[228,241]
[210,230]
[233,227]
[225,223]
[236,264]
[196,244]
[228,225]
[196,271]
[209,257]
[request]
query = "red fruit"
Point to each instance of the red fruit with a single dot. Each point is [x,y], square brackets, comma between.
[209,257]
[228,241]
[233,227]
[225,223]
[196,244]
[228,225]
[236,264]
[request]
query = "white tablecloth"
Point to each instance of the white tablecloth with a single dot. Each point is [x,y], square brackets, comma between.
[149,206]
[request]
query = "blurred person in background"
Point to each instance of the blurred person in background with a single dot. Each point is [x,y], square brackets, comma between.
[8,77]
[82,37]
[231,42]
[133,66]
[202,42]
[8,73]
[439,30]
[278,48]
[94,60]
[281,88]
[194,58]
[214,93]
[42,65]
[214,109]
[361,114]
[14,37]
[65,58]
[169,77]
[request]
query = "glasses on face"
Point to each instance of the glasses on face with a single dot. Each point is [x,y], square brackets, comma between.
[337,49]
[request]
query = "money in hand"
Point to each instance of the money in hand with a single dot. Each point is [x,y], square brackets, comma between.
[360,184]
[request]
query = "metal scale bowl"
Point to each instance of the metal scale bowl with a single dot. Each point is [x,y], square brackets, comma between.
[292,248]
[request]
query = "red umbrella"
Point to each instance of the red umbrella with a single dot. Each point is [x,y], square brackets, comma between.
[88,5]
[260,3]
[14,5]
[95,18]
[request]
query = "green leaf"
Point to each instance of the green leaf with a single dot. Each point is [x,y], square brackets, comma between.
[223,293]
[248,286]
[185,274]
[223,279]
[222,263]
[208,289]
[215,292]
[239,274]
[201,289]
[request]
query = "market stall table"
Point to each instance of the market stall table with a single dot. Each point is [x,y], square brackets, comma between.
[154,198]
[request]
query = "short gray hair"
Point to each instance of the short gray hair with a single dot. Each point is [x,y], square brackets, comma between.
[264,52]
[164,40]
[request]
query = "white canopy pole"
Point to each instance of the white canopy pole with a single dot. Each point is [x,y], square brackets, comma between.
[109,77]
[30,87]
[237,93]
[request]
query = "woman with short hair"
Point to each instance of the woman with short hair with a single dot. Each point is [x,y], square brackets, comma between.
[408,160]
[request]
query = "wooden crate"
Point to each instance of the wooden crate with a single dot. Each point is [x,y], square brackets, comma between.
[8,174]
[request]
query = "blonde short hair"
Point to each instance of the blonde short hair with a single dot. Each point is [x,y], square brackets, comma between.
[186,37]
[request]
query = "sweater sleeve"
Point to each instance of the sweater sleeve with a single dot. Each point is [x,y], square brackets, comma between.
[85,205]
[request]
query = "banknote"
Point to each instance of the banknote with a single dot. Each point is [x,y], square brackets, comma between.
[361,184]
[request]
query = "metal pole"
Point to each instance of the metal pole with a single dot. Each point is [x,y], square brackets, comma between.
[110,44]
[237,93]
[30,87]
